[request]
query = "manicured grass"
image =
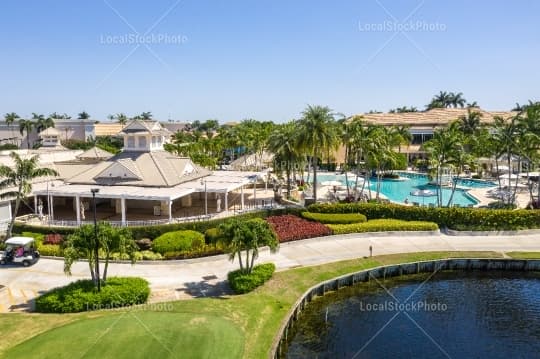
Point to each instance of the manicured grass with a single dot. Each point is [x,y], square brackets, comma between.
[138,334]
[524,255]
[230,327]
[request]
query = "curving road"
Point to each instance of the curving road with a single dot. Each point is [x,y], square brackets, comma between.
[205,276]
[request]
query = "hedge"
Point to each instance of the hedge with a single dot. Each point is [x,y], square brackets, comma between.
[383,225]
[153,232]
[335,218]
[81,296]
[454,218]
[243,283]
[178,241]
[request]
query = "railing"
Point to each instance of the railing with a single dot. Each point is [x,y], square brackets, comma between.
[251,205]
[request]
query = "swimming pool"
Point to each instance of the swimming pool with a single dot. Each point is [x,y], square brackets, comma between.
[398,191]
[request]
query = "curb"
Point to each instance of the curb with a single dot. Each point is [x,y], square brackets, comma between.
[451,232]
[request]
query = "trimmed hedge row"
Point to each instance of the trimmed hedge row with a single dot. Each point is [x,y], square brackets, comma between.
[383,225]
[243,283]
[81,296]
[454,218]
[157,230]
[335,218]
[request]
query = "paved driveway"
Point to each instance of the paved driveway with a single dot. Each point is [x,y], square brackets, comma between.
[206,276]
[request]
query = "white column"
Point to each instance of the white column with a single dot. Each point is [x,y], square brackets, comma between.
[255,193]
[226,201]
[170,211]
[123,207]
[78,208]
[35,204]
[242,197]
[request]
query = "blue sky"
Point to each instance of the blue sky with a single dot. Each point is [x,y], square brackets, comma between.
[267,60]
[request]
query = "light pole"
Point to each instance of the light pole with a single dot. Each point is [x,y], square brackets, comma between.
[96,249]
[205,198]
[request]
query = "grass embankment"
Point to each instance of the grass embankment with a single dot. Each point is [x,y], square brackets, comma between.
[228,327]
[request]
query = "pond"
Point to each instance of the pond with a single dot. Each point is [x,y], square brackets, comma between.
[474,314]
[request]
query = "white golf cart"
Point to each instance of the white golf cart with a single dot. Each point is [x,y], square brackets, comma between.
[20,250]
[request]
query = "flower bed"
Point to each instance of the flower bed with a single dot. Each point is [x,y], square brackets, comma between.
[292,228]
[335,218]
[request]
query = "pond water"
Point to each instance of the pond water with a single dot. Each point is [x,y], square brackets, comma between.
[476,314]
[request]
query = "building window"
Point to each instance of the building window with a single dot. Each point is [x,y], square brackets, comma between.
[131,142]
[142,142]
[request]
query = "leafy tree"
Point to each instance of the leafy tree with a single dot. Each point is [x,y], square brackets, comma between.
[403,109]
[83,115]
[43,123]
[17,181]
[82,243]
[146,116]
[447,99]
[246,237]
[10,118]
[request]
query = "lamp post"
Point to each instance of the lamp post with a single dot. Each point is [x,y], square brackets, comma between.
[205,198]
[96,249]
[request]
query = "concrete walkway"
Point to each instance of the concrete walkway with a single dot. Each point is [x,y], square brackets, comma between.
[205,276]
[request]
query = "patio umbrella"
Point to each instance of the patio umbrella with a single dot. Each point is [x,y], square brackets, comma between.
[423,193]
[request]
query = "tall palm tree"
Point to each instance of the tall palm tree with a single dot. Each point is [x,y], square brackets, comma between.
[457,99]
[506,137]
[316,133]
[10,118]
[146,116]
[26,126]
[470,123]
[121,118]
[402,135]
[282,142]
[17,181]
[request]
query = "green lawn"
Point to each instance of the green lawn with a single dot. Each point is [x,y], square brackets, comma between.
[229,327]
[524,255]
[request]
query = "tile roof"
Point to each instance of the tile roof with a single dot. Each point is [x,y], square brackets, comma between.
[431,118]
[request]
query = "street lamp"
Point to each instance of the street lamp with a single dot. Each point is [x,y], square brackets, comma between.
[96,249]
[205,198]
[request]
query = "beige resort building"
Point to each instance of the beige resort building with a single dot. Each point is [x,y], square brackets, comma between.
[143,184]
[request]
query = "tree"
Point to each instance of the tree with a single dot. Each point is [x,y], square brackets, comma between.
[146,116]
[447,99]
[317,133]
[83,115]
[10,118]
[26,126]
[401,135]
[282,142]
[17,181]
[247,236]
[121,118]
[43,123]
[82,243]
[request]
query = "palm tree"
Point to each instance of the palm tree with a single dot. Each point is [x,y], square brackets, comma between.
[506,137]
[43,123]
[146,116]
[316,133]
[447,99]
[10,118]
[282,142]
[26,126]
[121,118]
[470,123]
[457,99]
[402,135]
[83,115]
[442,152]
[17,181]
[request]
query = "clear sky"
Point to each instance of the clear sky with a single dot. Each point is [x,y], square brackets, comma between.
[235,59]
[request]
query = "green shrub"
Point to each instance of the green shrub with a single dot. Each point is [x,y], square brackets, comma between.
[211,235]
[244,283]
[153,232]
[454,218]
[52,250]
[82,296]
[37,236]
[383,225]
[178,241]
[204,251]
[151,256]
[335,218]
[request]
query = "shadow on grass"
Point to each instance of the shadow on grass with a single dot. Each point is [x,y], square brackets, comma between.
[207,288]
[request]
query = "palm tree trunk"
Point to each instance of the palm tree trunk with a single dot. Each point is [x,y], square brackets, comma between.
[247,261]
[315,179]
[252,261]
[240,261]
[105,268]
[12,221]
[454,185]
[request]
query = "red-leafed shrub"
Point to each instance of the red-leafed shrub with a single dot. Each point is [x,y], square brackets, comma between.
[53,238]
[291,228]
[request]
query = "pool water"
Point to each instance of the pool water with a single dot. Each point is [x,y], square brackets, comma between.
[398,191]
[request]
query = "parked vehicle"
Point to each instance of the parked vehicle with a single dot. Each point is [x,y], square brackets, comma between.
[20,250]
